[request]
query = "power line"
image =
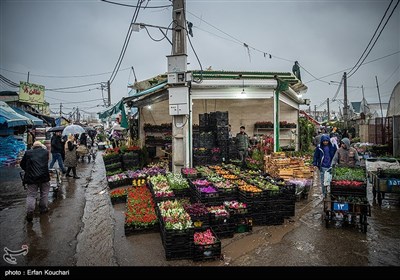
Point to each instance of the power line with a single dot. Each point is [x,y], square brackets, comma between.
[126,42]
[63,77]
[341,71]
[370,41]
[132,6]
[86,85]
[75,102]
[376,38]
[313,75]
[236,40]
[78,91]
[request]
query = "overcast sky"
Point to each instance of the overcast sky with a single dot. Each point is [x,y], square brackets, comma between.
[84,39]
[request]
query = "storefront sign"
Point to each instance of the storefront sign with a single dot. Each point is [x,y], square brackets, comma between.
[31,93]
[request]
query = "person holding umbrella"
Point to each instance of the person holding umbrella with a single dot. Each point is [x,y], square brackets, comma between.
[56,151]
[70,156]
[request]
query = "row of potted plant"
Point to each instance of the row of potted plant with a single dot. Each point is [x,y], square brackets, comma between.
[140,212]
[269,124]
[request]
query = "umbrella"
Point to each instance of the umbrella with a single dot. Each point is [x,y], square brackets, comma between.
[56,128]
[73,129]
[118,128]
[88,128]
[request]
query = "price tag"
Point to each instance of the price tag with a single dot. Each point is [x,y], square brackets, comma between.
[340,206]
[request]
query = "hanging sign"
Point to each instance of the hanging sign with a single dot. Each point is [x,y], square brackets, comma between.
[31,93]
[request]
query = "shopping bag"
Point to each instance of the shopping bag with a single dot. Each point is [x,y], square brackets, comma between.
[327,177]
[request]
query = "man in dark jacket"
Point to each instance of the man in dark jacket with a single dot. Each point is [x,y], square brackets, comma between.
[243,145]
[323,157]
[57,148]
[346,155]
[34,163]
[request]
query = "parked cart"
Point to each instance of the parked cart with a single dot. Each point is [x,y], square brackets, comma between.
[384,175]
[386,181]
[347,211]
[347,203]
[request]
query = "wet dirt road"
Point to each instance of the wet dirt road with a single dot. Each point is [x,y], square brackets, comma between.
[83,228]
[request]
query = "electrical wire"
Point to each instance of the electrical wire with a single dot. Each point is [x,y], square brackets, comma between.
[302,67]
[62,77]
[86,85]
[8,81]
[370,41]
[338,89]
[341,71]
[239,41]
[351,74]
[132,6]
[126,42]
[197,57]
[78,91]
[151,37]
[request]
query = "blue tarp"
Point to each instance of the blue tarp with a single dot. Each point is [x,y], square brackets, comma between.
[10,118]
[36,121]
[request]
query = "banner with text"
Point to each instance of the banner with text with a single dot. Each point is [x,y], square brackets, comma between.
[31,93]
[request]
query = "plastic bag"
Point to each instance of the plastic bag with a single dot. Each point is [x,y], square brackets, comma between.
[327,177]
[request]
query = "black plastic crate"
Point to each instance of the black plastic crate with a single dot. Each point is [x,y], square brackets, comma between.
[348,191]
[113,166]
[111,160]
[274,220]
[226,230]
[257,207]
[120,199]
[200,221]
[259,219]
[203,120]
[131,230]
[185,254]
[272,194]
[201,160]
[120,183]
[179,193]
[179,239]
[251,197]
[209,251]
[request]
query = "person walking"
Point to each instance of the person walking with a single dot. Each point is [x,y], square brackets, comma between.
[346,155]
[37,177]
[56,151]
[323,156]
[71,160]
[243,145]
[30,139]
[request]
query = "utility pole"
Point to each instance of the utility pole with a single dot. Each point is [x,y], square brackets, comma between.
[27,80]
[363,100]
[345,112]
[379,95]
[178,91]
[315,111]
[109,93]
[329,113]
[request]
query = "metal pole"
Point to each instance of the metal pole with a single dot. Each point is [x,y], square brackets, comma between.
[180,123]
[109,93]
[329,114]
[379,95]
[345,112]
